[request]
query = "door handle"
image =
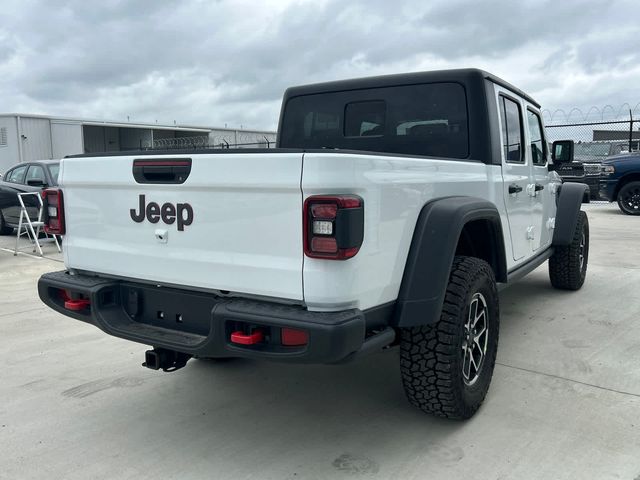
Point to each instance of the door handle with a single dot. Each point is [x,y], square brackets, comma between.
[539,187]
[513,188]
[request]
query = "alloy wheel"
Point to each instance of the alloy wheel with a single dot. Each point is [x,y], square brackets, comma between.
[474,345]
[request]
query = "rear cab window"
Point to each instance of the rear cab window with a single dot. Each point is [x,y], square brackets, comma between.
[424,119]
[16,175]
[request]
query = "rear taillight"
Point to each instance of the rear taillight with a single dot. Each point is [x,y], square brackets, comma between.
[333,226]
[53,211]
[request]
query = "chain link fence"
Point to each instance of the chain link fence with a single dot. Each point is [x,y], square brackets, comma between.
[598,135]
[620,127]
[234,139]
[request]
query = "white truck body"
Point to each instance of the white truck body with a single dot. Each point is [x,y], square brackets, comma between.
[246,237]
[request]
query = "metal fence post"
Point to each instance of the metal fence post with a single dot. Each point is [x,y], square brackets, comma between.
[630,130]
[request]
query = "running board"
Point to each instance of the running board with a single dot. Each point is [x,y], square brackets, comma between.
[530,266]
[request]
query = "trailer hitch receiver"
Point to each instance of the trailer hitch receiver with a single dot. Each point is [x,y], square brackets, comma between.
[165,360]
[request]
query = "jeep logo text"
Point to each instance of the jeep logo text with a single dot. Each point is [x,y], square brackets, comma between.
[181,214]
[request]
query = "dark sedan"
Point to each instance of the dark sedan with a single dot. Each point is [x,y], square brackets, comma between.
[24,177]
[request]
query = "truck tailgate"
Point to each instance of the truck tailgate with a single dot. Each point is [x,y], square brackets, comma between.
[244,236]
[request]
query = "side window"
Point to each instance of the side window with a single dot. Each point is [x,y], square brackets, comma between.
[511,120]
[36,172]
[54,171]
[538,153]
[17,174]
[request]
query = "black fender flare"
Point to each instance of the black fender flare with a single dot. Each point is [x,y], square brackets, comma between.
[433,247]
[568,202]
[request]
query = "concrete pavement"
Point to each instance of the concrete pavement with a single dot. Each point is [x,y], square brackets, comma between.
[564,402]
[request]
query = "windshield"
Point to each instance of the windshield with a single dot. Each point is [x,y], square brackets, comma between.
[54,169]
[427,119]
[592,150]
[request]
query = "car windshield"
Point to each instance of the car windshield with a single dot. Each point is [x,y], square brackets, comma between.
[592,150]
[54,169]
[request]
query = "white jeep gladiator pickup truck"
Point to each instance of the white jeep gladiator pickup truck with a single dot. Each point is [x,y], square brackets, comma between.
[391,212]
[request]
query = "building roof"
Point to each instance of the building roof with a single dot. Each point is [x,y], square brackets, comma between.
[121,124]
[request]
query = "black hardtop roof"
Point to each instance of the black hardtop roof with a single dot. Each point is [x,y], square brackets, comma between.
[463,76]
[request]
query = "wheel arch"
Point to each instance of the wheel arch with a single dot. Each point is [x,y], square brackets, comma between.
[445,228]
[569,202]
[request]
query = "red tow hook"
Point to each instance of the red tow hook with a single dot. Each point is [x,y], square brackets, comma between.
[77,305]
[241,338]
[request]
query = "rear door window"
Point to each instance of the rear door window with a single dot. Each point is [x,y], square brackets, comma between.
[511,120]
[54,170]
[35,172]
[425,119]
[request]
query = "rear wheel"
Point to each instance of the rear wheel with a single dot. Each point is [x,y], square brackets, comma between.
[629,198]
[568,264]
[447,367]
[4,228]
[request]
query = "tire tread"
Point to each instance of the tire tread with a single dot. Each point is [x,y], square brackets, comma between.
[564,264]
[428,353]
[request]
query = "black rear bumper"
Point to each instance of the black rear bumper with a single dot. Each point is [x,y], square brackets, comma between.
[201,324]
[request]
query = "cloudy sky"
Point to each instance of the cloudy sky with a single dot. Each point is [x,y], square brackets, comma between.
[228,62]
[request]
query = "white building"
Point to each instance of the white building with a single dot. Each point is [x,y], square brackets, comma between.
[25,137]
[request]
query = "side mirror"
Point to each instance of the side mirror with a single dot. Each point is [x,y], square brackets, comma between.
[36,182]
[562,152]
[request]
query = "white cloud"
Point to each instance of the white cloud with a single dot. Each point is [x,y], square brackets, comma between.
[202,62]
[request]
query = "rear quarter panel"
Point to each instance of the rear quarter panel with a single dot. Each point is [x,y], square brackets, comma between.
[394,190]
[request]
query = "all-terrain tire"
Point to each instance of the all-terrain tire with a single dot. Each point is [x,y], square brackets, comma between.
[629,198]
[4,228]
[568,264]
[432,357]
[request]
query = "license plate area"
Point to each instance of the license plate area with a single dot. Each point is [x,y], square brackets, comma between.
[168,308]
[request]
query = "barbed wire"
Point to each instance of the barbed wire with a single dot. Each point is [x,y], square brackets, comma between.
[228,140]
[608,112]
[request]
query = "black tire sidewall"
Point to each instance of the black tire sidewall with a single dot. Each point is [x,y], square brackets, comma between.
[585,231]
[565,272]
